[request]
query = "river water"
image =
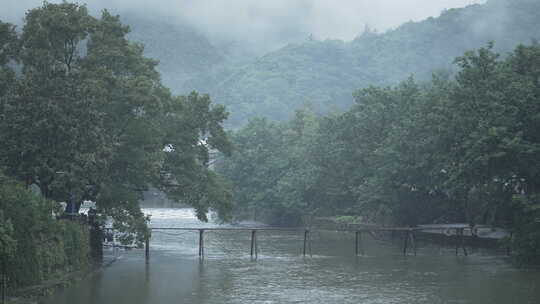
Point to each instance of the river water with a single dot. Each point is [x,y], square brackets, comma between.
[175,274]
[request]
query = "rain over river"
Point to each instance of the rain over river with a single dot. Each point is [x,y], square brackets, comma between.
[227,274]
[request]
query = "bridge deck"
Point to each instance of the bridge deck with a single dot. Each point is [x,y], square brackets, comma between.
[362,229]
[408,232]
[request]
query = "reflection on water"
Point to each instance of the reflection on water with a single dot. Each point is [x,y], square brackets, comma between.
[175,274]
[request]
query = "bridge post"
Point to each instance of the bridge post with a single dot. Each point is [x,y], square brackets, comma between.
[147,248]
[462,236]
[305,240]
[405,242]
[413,241]
[362,250]
[509,246]
[457,241]
[201,243]
[359,247]
[309,243]
[256,247]
[356,243]
[253,243]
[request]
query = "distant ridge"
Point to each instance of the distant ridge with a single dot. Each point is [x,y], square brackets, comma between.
[325,73]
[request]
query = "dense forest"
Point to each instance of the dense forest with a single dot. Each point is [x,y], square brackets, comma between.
[84,116]
[455,149]
[324,73]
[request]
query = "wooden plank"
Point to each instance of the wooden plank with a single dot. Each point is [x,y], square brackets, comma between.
[396,229]
[287,229]
[224,229]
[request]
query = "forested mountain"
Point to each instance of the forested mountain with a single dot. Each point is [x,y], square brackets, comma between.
[182,51]
[460,149]
[325,73]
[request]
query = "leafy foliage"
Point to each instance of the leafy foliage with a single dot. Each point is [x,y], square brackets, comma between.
[43,250]
[88,119]
[451,150]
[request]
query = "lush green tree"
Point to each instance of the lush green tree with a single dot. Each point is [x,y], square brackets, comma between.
[193,129]
[89,119]
[295,186]
[53,133]
[462,149]
[8,41]
[36,246]
[255,168]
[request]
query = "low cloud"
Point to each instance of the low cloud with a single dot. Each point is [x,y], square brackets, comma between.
[269,22]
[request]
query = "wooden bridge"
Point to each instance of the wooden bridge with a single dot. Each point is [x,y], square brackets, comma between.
[409,236]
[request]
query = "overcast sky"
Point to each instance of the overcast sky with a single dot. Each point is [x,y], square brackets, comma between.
[270,19]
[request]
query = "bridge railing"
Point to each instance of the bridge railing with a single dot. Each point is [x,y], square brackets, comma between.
[409,236]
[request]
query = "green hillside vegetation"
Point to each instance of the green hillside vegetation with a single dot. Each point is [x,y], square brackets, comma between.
[325,73]
[34,246]
[464,149]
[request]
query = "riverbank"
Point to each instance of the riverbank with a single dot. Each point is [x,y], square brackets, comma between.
[38,249]
[34,294]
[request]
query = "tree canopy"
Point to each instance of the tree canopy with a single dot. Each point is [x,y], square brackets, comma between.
[86,117]
[462,149]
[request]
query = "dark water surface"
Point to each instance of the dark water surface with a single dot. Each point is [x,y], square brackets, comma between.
[175,274]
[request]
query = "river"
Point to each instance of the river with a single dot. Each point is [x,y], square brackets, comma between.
[175,274]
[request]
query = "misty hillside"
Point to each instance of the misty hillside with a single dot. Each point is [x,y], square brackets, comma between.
[325,73]
[182,51]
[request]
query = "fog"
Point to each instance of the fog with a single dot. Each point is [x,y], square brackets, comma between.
[271,22]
